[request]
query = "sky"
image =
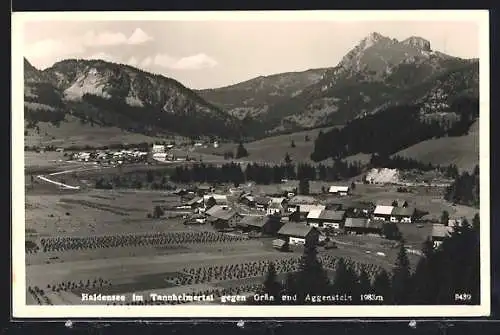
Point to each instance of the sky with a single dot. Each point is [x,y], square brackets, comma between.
[214,53]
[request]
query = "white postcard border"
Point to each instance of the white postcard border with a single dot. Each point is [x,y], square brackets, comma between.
[21,310]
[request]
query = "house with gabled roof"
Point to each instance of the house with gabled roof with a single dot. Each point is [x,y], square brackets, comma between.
[296,233]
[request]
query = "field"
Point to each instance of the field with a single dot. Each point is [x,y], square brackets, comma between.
[105,241]
[72,132]
[462,151]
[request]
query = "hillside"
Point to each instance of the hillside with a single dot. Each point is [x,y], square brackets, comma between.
[254,97]
[463,151]
[109,95]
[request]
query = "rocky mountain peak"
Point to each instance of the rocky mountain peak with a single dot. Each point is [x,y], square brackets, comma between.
[418,42]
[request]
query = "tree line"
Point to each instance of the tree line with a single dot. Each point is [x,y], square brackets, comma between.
[263,173]
[393,129]
[448,275]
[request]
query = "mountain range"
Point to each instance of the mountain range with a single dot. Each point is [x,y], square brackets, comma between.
[377,73]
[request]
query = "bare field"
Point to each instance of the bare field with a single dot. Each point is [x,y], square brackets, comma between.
[96,212]
[428,199]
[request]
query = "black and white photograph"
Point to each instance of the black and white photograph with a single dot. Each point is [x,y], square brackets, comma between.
[251,164]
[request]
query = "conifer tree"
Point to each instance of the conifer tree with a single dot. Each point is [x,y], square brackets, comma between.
[271,285]
[401,277]
[382,287]
[311,278]
[304,187]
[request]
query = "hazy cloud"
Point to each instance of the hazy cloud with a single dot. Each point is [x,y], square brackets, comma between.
[195,62]
[50,47]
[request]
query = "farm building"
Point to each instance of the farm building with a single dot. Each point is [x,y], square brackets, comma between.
[261,202]
[158,148]
[224,218]
[214,199]
[359,208]
[275,208]
[339,190]
[326,218]
[204,189]
[439,233]
[268,225]
[304,210]
[247,200]
[382,213]
[402,214]
[294,233]
[300,200]
[192,204]
[361,226]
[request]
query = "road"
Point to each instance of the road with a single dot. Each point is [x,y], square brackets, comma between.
[66,186]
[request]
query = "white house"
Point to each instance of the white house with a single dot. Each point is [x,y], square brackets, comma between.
[158,148]
[382,212]
[339,190]
[274,208]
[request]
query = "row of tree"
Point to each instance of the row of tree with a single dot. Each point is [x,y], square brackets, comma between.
[263,173]
[392,130]
[447,275]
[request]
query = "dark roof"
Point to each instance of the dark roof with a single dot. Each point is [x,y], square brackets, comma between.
[193,201]
[253,221]
[403,211]
[275,205]
[223,214]
[295,229]
[332,215]
[261,200]
[356,223]
[303,200]
[204,187]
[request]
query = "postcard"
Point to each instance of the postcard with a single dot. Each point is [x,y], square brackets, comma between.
[270,164]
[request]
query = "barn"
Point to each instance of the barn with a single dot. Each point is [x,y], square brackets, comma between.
[224,218]
[382,212]
[266,225]
[323,218]
[295,234]
[439,233]
[403,214]
[261,202]
[339,190]
[300,201]
[362,226]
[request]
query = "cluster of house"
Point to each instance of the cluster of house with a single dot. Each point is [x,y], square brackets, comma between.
[162,153]
[110,156]
[294,219]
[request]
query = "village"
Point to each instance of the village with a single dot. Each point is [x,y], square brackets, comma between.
[294,219]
